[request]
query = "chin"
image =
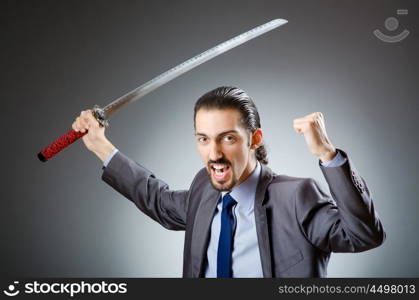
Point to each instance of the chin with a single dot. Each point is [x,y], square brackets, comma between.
[224,186]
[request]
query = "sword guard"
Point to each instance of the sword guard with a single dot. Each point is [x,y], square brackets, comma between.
[100,116]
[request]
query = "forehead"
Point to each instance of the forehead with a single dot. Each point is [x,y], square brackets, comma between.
[215,121]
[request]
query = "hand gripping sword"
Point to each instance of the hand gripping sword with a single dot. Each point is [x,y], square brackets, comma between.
[102,114]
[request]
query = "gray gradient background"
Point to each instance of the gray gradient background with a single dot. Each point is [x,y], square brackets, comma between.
[59,57]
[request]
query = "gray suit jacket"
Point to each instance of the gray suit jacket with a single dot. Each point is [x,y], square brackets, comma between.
[297,224]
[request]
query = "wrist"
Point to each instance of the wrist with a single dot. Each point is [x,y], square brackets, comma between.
[328,155]
[103,150]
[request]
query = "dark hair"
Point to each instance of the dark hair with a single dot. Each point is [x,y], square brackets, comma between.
[226,97]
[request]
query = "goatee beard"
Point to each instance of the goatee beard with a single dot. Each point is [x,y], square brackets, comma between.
[216,185]
[223,189]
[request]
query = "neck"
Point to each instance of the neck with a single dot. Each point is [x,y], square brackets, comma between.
[249,169]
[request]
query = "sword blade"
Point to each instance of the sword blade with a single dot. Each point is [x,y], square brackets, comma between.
[191,63]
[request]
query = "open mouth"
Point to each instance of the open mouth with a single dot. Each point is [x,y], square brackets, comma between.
[220,171]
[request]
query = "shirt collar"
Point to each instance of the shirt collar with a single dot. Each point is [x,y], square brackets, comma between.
[245,193]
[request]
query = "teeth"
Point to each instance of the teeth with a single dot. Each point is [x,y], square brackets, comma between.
[218,167]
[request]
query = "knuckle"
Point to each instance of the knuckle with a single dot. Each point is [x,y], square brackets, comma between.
[84,112]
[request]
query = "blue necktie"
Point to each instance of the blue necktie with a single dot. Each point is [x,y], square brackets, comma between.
[225,243]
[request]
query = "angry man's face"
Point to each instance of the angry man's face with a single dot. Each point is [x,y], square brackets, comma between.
[223,144]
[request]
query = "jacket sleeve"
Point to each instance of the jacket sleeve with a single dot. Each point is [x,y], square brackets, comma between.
[151,195]
[345,222]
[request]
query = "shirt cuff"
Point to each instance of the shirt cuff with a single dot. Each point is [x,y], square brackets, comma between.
[337,161]
[106,162]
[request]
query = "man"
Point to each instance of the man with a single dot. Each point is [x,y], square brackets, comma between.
[241,219]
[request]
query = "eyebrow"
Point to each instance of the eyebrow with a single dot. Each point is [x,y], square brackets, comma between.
[222,133]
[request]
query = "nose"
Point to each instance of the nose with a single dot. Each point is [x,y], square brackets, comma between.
[215,152]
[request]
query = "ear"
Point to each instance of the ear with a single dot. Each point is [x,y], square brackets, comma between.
[257,139]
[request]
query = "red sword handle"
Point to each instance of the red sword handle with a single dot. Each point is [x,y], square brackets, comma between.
[59,144]
[70,137]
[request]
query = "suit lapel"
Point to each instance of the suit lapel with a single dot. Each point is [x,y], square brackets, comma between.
[261,221]
[201,229]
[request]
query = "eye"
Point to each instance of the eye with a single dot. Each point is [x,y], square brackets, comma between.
[229,139]
[202,139]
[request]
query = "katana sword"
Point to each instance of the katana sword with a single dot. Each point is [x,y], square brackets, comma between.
[102,115]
